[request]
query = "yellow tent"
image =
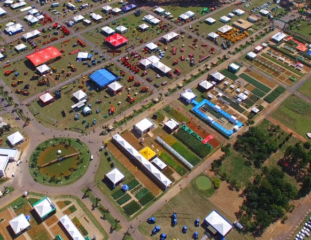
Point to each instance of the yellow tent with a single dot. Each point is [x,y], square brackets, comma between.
[147,153]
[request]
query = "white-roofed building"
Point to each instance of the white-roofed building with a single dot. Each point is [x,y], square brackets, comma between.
[20,47]
[153,59]
[159,163]
[255,110]
[205,85]
[233,67]
[83,55]
[148,18]
[210,20]
[115,87]
[161,67]
[251,55]
[147,166]
[152,46]
[87,22]
[121,29]
[16,138]
[159,10]
[224,19]
[143,126]
[190,14]
[278,37]
[188,96]
[217,76]
[219,223]
[213,35]
[31,19]
[238,12]
[4,160]
[19,224]
[71,228]
[13,29]
[31,34]
[8,2]
[108,30]
[33,11]
[43,68]
[13,154]
[2,12]
[143,26]
[46,98]
[264,12]
[155,21]
[145,63]
[183,17]
[96,17]
[79,95]
[18,5]
[258,49]
[171,125]
[170,36]
[115,176]
[78,18]
[230,15]
[44,207]
[107,9]
[224,29]
[116,10]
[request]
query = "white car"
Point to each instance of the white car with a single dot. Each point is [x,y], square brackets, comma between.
[13,174]
[92,157]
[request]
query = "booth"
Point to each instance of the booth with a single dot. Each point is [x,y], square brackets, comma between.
[205,85]
[115,176]
[210,20]
[19,224]
[121,29]
[217,76]
[115,87]
[116,40]
[108,30]
[143,126]
[188,96]
[44,207]
[171,125]
[15,138]
[46,98]
[80,95]
[43,69]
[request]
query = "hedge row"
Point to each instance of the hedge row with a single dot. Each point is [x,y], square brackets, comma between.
[124,199]
[274,94]
[172,163]
[229,74]
[259,93]
[147,198]
[131,208]
[254,82]
[118,194]
[133,183]
[193,143]
[141,193]
[183,151]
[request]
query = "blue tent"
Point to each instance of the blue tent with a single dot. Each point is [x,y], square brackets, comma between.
[197,222]
[163,236]
[125,8]
[103,77]
[151,220]
[28,217]
[195,235]
[132,6]
[156,230]
[125,187]
[184,229]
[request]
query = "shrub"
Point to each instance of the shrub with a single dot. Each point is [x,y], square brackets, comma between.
[118,194]
[147,198]
[124,199]
[133,183]
[173,164]
[142,193]
[183,151]
[216,182]
[307,145]
[131,208]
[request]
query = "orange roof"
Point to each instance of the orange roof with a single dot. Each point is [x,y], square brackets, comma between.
[44,55]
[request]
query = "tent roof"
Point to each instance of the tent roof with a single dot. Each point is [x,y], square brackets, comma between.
[77,18]
[103,77]
[44,207]
[115,175]
[162,67]
[158,162]
[86,110]
[210,20]
[83,55]
[151,46]
[121,28]
[224,28]
[206,84]
[2,11]
[79,95]
[218,76]
[144,124]
[106,8]
[148,17]
[14,28]
[184,16]
[115,86]
[234,66]
[71,228]
[279,36]
[264,12]
[220,224]
[46,97]
[213,35]
[188,95]
[96,16]
[44,55]
[147,153]
[153,59]
[189,13]
[155,21]
[171,124]
[116,39]
[43,68]
[31,34]
[31,18]
[251,54]
[108,30]
[19,223]
[143,26]
[145,62]
[20,47]
[15,138]
[116,10]
[170,36]
[225,19]
[159,10]
[239,11]
[33,11]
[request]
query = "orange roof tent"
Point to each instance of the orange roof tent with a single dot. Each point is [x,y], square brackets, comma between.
[44,55]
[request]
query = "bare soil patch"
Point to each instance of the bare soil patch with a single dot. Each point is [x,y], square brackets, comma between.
[260,78]
[51,220]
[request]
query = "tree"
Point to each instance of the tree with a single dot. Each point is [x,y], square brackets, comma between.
[306,186]
[87,190]
[97,200]
[10,99]
[107,211]
[1,89]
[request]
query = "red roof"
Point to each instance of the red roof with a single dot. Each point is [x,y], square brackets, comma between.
[44,55]
[116,39]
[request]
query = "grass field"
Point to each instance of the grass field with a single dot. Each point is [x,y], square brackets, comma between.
[305,89]
[203,182]
[303,29]
[295,113]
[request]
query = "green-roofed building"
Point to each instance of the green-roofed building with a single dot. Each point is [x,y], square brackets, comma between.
[44,207]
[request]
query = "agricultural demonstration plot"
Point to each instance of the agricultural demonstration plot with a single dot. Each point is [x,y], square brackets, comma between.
[305,89]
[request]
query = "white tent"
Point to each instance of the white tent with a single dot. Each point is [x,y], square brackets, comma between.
[224,19]
[31,19]
[78,18]
[95,16]
[143,26]
[171,124]
[14,28]
[71,228]
[43,68]
[79,95]
[155,21]
[213,35]
[31,34]
[121,29]
[143,126]
[210,20]
[278,37]
[162,67]
[220,224]
[239,12]
[44,207]
[264,12]
[4,160]
[146,63]
[188,95]
[19,224]
[115,176]
[2,12]
[20,47]
[86,110]
[168,37]
[183,16]
[83,55]
[159,163]
[148,17]
[224,29]
[206,85]
[159,10]
[218,76]
[1,56]
[18,5]
[115,86]
[153,59]
[251,55]
[40,17]
[46,97]
[116,10]
[8,2]
[15,138]
[108,30]
[33,11]
[106,8]
[189,14]
[152,46]
[87,21]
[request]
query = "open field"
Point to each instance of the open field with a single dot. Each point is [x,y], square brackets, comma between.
[306,88]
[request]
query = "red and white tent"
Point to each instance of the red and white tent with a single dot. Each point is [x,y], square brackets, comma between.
[116,40]
[46,98]
[44,55]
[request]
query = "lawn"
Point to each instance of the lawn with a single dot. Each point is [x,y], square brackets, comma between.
[256,83]
[175,114]
[305,89]
[185,152]
[295,113]
[303,28]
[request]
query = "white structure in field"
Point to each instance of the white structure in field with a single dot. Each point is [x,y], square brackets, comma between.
[171,125]
[188,96]
[19,224]
[71,228]
[15,138]
[44,207]
[115,176]
[224,29]
[80,95]
[217,76]
[143,126]
[219,223]
[205,85]
[159,163]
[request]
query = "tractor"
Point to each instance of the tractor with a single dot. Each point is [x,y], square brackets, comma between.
[130,99]
[144,89]
[137,84]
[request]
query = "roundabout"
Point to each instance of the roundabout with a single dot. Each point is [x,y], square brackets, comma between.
[59,161]
[203,183]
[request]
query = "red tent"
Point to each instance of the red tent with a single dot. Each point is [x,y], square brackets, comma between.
[116,40]
[44,55]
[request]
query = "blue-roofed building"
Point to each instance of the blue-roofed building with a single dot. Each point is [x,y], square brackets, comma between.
[102,78]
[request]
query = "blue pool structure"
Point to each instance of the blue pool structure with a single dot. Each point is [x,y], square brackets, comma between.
[227,132]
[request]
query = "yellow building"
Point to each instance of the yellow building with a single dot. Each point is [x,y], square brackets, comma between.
[147,153]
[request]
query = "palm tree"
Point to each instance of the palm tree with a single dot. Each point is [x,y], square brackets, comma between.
[97,200]
[116,221]
[87,190]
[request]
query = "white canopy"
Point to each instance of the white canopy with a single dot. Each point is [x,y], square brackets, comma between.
[14,28]
[1,56]
[79,95]
[121,29]
[86,110]
[115,176]
[155,21]
[43,68]
[183,16]
[221,225]
[78,18]
[108,30]
[115,86]
[171,124]
[18,5]
[234,66]
[20,47]
[162,67]
[279,36]
[83,55]
[224,29]
[116,10]
[224,19]
[264,12]
[188,95]
[95,16]
[2,11]
[148,17]
[239,12]
[44,207]
[218,76]
[143,125]
[31,18]
[251,55]
[87,21]
[46,97]
[40,16]
[143,26]
[106,8]
[8,2]
[71,228]
[210,20]
[206,85]
[152,46]
[153,59]
[159,10]
[19,223]
[145,62]
[189,14]
[33,11]
[213,35]
[170,36]
[15,138]
[31,34]
[159,163]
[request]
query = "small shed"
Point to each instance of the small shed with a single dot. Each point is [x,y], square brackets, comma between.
[251,55]
[210,20]
[46,98]
[159,163]
[205,85]
[115,176]
[217,76]
[79,95]
[108,30]
[233,67]
[16,138]
[171,125]
[43,69]
[151,46]
[115,87]
[225,19]
[143,126]
[188,96]
[121,29]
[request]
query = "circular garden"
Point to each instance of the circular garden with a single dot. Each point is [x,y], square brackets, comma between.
[203,183]
[59,161]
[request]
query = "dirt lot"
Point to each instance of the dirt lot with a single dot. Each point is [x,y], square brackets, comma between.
[61,204]
[4,226]
[56,229]
[50,221]
[260,78]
